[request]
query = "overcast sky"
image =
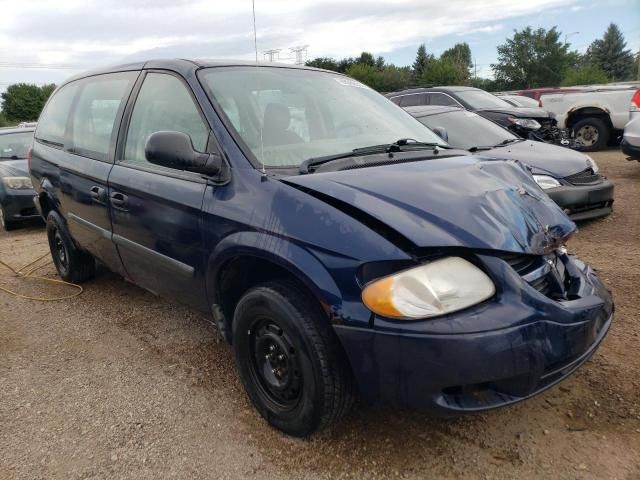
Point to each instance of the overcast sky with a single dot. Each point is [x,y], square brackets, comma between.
[47,41]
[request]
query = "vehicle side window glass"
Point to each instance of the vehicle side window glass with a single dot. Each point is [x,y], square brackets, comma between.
[414,100]
[53,120]
[164,103]
[100,100]
[441,99]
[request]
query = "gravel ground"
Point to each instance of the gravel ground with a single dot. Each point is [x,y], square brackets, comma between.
[117,383]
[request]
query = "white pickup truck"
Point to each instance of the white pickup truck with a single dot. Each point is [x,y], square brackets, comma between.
[596,115]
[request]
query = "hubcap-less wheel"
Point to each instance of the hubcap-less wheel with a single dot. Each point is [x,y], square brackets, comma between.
[60,250]
[274,364]
[587,135]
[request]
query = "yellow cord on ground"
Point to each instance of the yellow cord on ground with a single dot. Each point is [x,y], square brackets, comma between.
[20,272]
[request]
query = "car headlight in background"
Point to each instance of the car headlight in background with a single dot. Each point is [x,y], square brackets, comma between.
[525,123]
[435,288]
[545,181]
[591,163]
[17,183]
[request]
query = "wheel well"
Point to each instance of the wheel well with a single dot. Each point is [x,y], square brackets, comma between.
[586,112]
[45,204]
[240,274]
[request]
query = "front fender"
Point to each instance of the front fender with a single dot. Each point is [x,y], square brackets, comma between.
[301,262]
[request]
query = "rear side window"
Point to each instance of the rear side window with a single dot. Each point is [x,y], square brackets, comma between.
[414,100]
[99,105]
[164,103]
[53,120]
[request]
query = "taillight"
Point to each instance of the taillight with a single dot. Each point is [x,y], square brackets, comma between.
[29,155]
[635,102]
[540,103]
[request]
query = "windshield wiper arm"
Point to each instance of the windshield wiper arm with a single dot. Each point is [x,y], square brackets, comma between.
[401,145]
[509,140]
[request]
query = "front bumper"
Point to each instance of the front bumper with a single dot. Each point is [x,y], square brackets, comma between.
[583,202]
[447,372]
[632,151]
[18,205]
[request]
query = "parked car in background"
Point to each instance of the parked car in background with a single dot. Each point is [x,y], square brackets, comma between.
[596,116]
[533,123]
[631,138]
[334,254]
[570,178]
[536,93]
[16,191]
[519,100]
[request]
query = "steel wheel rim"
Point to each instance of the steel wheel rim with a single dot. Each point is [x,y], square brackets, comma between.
[274,365]
[60,249]
[588,135]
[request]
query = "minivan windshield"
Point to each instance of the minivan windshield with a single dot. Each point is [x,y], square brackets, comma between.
[467,129]
[287,115]
[479,99]
[15,145]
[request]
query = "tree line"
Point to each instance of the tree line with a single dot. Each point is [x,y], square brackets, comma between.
[23,102]
[529,59]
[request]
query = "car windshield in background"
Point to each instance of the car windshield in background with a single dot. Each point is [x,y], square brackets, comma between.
[304,114]
[466,129]
[14,146]
[479,99]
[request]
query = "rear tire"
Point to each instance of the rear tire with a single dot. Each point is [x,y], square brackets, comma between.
[291,364]
[591,134]
[73,264]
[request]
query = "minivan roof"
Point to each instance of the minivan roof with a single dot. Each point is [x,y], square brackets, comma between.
[452,88]
[185,66]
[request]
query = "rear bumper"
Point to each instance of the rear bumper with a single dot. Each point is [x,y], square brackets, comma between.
[630,150]
[454,373]
[584,202]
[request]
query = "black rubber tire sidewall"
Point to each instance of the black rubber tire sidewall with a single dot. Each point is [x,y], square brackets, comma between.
[603,133]
[313,347]
[80,265]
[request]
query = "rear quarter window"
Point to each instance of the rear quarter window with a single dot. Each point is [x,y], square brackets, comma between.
[53,120]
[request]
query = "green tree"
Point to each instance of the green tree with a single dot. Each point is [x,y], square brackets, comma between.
[386,79]
[460,54]
[366,58]
[24,102]
[443,71]
[421,61]
[585,75]
[610,54]
[533,58]
[3,121]
[323,62]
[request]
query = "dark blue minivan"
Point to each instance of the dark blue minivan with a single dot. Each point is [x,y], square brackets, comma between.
[342,247]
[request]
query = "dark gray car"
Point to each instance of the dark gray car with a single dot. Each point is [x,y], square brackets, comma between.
[570,178]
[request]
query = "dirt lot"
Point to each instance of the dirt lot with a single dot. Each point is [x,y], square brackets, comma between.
[117,383]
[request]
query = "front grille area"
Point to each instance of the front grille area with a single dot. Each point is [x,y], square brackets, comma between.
[539,274]
[585,177]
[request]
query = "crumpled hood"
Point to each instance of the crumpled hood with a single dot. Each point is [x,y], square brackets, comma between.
[451,202]
[14,168]
[522,112]
[545,157]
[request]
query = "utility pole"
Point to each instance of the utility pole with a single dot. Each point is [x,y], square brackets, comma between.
[300,53]
[272,55]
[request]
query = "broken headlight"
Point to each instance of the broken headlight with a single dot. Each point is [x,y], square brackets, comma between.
[546,182]
[527,123]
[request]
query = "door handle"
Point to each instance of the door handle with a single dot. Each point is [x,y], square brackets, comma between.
[97,194]
[119,200]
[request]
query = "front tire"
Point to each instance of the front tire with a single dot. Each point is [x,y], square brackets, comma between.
[591,134]
[73,264]
[289,360]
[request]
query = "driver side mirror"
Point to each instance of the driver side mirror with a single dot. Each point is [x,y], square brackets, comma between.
[175,150]
[441,132]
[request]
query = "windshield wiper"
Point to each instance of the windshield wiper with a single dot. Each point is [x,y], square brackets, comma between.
[401,145]
[501,144]
[12,157]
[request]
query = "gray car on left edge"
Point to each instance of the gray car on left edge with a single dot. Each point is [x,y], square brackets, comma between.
[16,191]
[569,177]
